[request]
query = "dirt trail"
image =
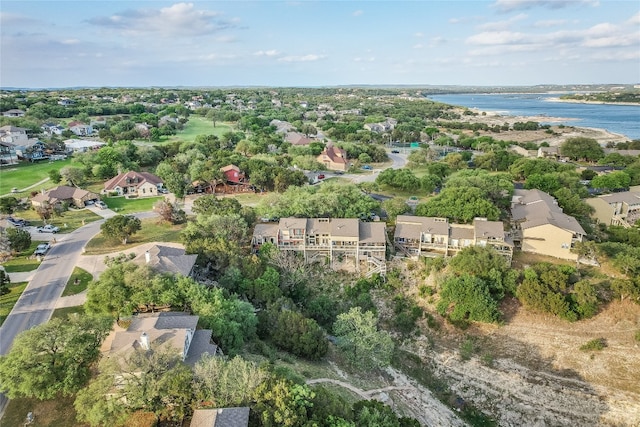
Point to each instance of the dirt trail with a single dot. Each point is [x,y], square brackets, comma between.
[417,401]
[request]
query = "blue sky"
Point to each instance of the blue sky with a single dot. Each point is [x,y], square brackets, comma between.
[318,43]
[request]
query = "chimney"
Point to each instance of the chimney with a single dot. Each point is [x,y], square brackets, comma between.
[144,341]
[147,257]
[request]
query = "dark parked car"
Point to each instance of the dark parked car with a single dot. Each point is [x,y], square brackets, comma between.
[395,151]
[16,222]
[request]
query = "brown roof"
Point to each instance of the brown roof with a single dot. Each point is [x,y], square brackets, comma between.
[488,229]
[293,223]
[335,154]
[535,208]
[168,259]
[345,227]
[296,138]
[63,192]
[628,197]
[432,225]
[230,167]
[461,231]
[372,232]
[137,179]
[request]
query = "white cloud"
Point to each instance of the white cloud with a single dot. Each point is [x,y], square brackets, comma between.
[369,59]
[418,46]
[358,13]
[7,19]
[511,5]
[303,58]
[419,35]
[70,41]
[437,41]
[497,38]
[549,23]
[271,52]
[179,19]
[635,19]
[502,25]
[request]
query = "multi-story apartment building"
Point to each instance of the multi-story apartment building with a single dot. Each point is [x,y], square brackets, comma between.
[417,236]
[345,243]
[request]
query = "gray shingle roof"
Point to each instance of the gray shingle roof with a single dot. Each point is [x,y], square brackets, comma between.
[223,417]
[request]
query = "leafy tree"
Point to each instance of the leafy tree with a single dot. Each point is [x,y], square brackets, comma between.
[581,148]
[467,298]
[53,358]
[221,383]
[154,381]
[209,204]
[301,336]
[19,239]
[460,204]
[8,204]
[121,227]
[281,403]
[73,175]
[487,264]
[55,176]
[373,413]
[361,341]
[617,180]
[170,212]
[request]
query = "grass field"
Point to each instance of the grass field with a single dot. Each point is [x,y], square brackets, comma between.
[47,413]
[7,301]
[200,126]
[21,262]
[68,222]
[26,174]
[126,206]
[152,231]
[82,276]
[62,313]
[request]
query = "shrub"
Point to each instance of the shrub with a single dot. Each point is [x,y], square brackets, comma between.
[594,345]
[637,335]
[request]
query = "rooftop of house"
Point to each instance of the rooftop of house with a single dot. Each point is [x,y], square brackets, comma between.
[63,192]
[535,208]
[345,227]
[126,179]
[221,417]
[628,197]
[167,259]
[430,225]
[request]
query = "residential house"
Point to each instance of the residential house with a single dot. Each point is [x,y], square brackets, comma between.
[220,417]
[165,330]
[296,138]
[386,126]
[345,243]
[8,154]
[80,129]
[281,126]
[417,236]
[13,113]
[617,209]
[549,153]
[82,145]
[66,102]
[167,259]
[539,225]
[14,135]
[136,184]
[52,129]
[234,181]
[334,158]
[63,194]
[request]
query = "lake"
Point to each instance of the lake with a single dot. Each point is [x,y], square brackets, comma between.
[621,119]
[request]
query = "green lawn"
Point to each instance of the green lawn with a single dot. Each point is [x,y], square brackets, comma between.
[68,222]
[7,301]
[47,413]
[126,206]
[200,126]
[83,278]
[63,313]
[152,231]
[26,174]
[21,262]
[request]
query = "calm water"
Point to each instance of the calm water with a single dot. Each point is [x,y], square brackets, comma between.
[622,119]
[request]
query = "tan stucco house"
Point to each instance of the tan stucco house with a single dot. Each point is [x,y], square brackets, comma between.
[334,158]
[64,194]
[617,209]
[539,225]
[139,184]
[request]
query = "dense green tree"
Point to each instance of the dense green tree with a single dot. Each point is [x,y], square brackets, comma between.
[581,148]
[487,264]
[19,239]
[281,403]
[617,180]
[8,204]
[121,227]
[460,204]
[73,175]
[373,413]
[5,281]
[53,358]
[154,381]
[222,383]
[299,335]
[467,298]
[361,342]
[55,176]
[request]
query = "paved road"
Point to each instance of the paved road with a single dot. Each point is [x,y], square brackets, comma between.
[37,302]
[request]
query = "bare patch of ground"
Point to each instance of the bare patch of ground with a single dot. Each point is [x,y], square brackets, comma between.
[557,137]
[531,371]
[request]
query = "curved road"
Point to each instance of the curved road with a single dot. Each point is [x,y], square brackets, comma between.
[37,302]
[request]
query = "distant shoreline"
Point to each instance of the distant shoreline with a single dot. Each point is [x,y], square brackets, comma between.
[582,101]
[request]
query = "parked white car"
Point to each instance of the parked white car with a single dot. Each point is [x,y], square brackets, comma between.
[101,204]
[48,229]
[42,249]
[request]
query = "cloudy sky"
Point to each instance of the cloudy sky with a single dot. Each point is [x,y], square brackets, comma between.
[318,43]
